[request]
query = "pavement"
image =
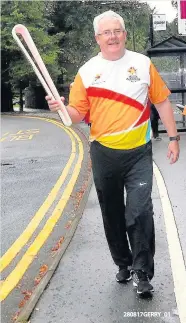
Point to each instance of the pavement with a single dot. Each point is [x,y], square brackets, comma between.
[83,288]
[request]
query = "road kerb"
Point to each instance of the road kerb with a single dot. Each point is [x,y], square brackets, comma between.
[31,303]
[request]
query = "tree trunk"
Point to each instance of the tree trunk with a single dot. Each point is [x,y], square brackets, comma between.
[20,97]
[6,98]
[40,94]
[35,98]
[64,90]
[30,98]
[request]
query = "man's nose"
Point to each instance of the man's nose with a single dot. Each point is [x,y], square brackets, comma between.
[112,34]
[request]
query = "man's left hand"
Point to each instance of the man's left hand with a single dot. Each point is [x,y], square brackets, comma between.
[173,151]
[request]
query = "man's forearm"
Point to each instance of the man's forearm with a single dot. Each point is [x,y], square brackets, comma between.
[75,116]
[167,117]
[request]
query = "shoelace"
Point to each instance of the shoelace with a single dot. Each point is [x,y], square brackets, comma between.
[141,275]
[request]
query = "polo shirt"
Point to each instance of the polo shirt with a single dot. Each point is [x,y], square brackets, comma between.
[116,94]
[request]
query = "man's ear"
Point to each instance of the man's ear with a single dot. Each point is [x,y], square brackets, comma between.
[97,39]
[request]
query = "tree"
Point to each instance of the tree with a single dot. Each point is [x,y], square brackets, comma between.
[75,18]
[174,4]
[172,28]
[16,71]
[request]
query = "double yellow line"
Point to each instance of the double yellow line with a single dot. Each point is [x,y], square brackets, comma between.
[14,277]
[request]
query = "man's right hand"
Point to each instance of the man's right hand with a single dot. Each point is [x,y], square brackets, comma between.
[54,104]
[75,116]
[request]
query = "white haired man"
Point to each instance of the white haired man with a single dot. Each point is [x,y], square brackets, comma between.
[114,87]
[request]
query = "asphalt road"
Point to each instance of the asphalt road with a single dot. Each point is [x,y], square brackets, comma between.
[30,168]
[43,168]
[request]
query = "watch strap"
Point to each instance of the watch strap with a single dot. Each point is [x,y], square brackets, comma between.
[174,138]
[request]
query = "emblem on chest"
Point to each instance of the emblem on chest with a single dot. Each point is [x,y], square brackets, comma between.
[98,78]
[132,75]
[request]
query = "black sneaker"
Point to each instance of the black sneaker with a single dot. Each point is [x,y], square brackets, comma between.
[123,275]
[142,282]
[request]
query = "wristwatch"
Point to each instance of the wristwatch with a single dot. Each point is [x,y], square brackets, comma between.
[175,138]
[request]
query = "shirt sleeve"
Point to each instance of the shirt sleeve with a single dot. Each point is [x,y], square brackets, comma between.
[78,98]
[158,90]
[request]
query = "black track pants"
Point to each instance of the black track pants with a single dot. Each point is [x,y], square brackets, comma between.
[113,170]
[154,117]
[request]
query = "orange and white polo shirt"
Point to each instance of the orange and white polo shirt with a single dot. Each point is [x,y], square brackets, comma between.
[116,94]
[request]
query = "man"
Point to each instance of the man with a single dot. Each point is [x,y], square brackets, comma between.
[115,87]
[154,117]
[184,110]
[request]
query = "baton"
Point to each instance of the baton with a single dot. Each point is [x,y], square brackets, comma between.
[42,74]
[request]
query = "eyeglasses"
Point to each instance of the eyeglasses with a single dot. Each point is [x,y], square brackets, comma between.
[108,33]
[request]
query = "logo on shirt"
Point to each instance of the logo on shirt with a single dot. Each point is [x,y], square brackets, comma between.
[132,75]
[98,79]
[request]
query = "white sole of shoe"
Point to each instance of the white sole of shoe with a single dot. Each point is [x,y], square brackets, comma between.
[148,291]
[126,280]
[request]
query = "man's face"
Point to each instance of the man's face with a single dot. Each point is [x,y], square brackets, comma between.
[111,38]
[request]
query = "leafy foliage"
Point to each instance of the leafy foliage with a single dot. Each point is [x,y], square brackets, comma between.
[63,33]
[33,15]
[75,19]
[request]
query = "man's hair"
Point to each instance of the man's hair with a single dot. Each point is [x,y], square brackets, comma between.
[107,14]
